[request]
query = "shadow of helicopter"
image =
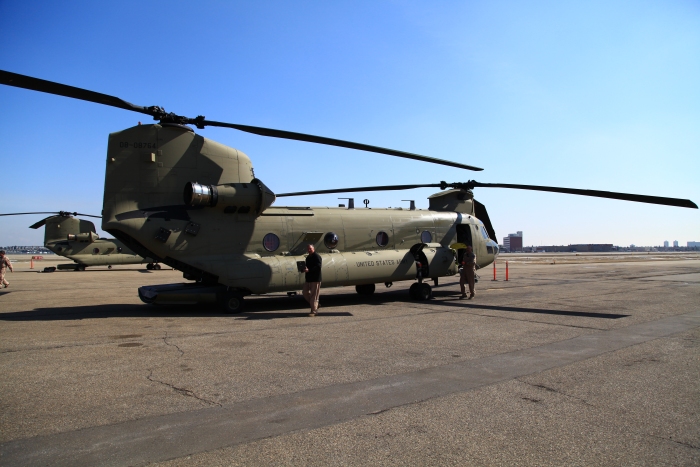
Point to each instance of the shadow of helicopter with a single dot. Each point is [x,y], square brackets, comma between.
[274,307]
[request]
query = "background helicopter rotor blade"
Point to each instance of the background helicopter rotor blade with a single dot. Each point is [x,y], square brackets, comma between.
[53,214]
[158,113]
[470,185]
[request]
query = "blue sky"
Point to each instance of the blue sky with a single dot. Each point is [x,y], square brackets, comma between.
[597,95]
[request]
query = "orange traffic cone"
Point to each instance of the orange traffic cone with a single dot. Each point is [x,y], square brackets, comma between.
[31,264]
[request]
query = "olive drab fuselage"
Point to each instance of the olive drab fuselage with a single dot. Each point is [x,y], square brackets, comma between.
[195,205]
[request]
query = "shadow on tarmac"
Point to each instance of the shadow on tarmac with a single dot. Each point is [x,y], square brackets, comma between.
[274,307]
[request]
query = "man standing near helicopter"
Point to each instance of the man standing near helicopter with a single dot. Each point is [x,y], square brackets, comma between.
[466,276]
[312,286]
[4,263]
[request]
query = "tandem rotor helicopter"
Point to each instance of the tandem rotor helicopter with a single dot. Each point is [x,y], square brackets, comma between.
[77,239]
[195,205]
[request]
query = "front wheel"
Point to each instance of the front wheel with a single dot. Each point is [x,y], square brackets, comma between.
[231,301]
[420,291]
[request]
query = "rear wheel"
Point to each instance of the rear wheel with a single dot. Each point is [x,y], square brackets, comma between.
[231,301]
[365,289]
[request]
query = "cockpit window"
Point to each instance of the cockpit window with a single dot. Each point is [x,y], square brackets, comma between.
[484,233]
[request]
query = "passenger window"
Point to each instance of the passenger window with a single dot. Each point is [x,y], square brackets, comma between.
[382,239]
[426,237]
[330,240]
[271,242]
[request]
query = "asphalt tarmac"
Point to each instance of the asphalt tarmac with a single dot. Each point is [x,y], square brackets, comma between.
[576,360]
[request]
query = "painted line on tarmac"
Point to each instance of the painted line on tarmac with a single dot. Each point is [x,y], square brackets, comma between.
[164,437]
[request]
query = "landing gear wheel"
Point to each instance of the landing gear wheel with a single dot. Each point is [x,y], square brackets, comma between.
[156,266]
[149,266]
[420,291]
[81,267]
[109,267]
[231,301]
[412,292]
[365,289]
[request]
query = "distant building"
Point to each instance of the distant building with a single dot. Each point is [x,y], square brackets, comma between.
[514,242]
[675,244]
[586,247]
[693,244]
[665,243]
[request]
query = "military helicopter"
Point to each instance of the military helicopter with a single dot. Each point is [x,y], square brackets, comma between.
[195,205]
[77,239]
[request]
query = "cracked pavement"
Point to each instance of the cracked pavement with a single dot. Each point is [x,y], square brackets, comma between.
[271,386]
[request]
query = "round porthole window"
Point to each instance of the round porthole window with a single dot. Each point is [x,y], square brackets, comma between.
[95,250]
[271,242]
[382,239]
[426,237]
[330,240]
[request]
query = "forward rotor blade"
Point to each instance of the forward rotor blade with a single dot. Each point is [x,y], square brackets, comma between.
[356,189]
[336,142]
[50,87]
[681,203]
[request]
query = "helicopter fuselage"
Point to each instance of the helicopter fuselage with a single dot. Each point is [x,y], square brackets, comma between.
[195,205]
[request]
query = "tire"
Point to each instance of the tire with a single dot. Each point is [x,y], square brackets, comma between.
[157,267]
[424,291]
[413,291]
[365,289]
[149,266]
[231,302]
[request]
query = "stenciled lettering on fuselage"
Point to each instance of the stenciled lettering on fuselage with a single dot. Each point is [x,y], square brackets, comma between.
[138,145]
[381,262]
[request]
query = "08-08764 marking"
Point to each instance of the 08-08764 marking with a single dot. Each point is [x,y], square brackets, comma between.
[137,145]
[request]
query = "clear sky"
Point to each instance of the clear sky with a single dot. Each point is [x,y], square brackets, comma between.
[597,95]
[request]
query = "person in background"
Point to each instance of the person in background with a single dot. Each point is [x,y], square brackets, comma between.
[312,286]
[468,272]
[5,263]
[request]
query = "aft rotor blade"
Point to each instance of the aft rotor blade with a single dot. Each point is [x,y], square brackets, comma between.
[158,113]
[356,189]
[50,87]
[336,142]
[681,203]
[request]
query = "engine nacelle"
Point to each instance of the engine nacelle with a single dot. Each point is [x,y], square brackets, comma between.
[232,197]
[85,237]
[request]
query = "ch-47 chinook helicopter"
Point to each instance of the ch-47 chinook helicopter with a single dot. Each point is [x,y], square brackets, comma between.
[195,205]
[77,239]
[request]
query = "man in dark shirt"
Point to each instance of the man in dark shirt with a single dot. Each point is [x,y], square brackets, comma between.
[468,271]
[312,286]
